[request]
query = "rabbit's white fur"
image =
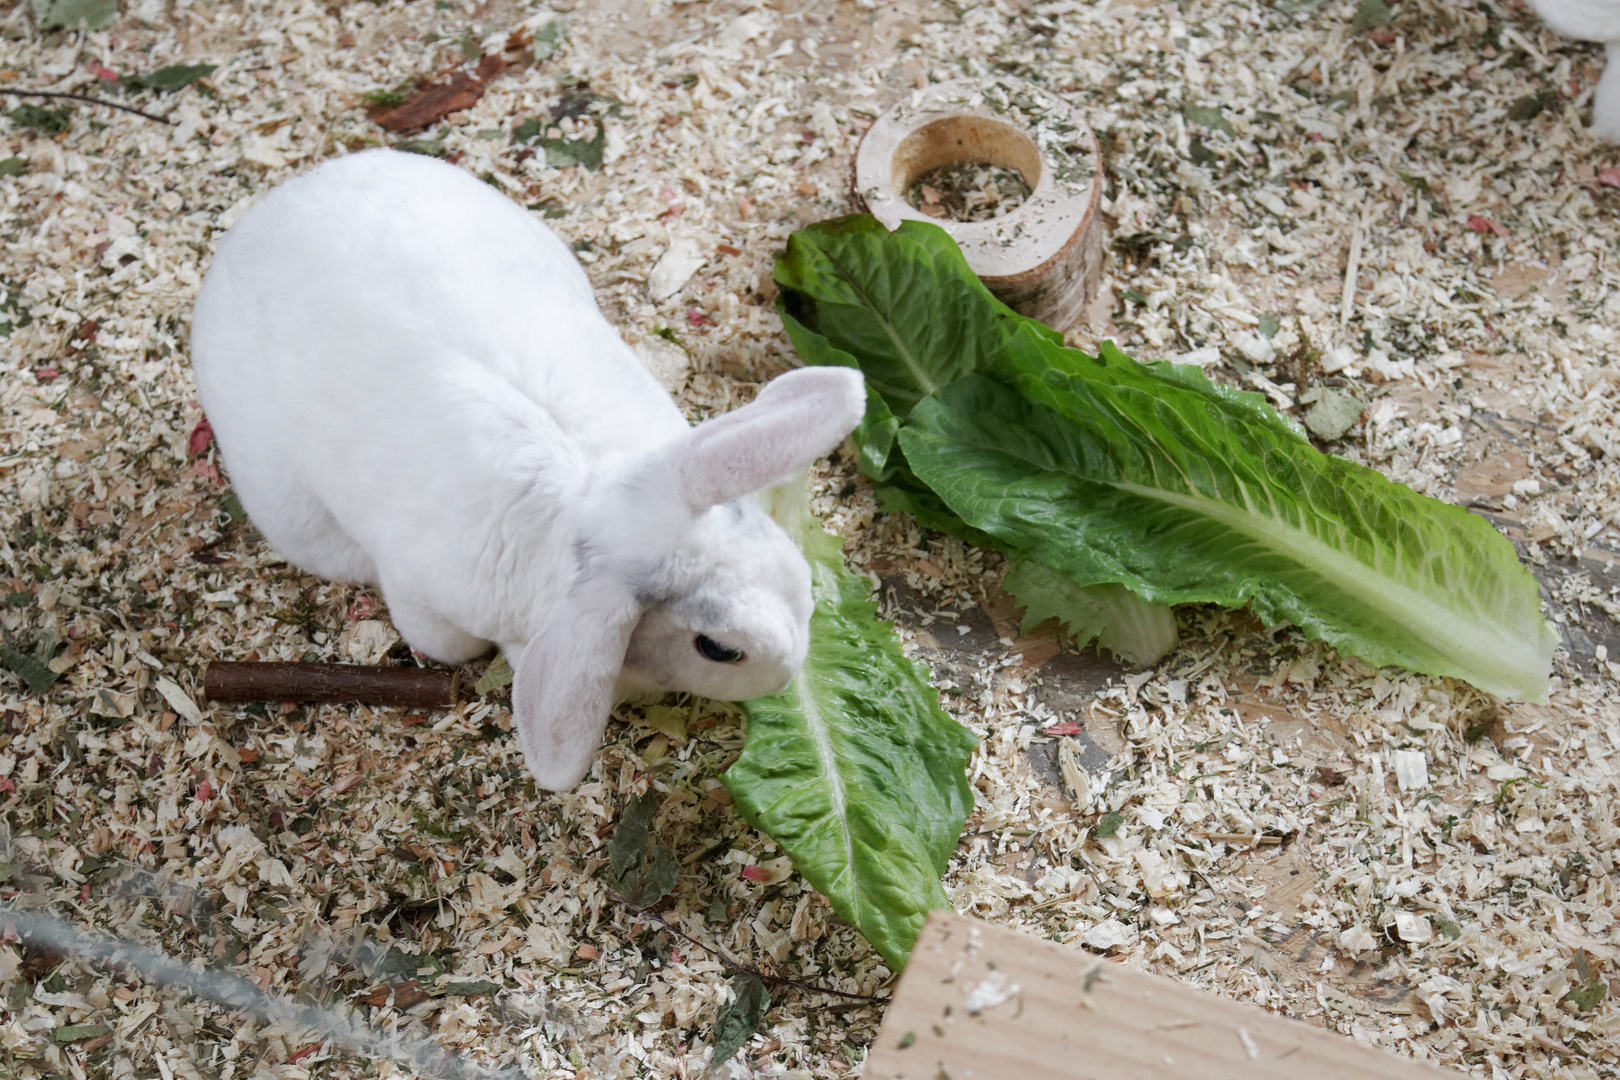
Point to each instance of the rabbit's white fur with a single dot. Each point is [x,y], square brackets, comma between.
[412,387]
[1592,20]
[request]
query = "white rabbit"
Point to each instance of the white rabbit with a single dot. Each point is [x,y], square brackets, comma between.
[1592,20]
[413,388]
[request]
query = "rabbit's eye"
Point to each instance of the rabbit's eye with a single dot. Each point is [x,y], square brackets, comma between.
[717,652]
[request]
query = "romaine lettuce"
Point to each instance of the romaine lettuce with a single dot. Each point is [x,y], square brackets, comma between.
[1107,471]
[854,769]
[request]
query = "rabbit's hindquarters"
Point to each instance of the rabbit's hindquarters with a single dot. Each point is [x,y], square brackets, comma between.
[1592,20]
[429,632]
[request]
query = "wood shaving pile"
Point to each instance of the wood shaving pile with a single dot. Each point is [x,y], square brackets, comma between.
[1392,856]
[968,192]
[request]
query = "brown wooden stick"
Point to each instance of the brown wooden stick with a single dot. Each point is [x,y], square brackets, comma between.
[365,684]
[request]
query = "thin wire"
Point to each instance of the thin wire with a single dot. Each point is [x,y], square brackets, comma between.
[236,993]
[86,98]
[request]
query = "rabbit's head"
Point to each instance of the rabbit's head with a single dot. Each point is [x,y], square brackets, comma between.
[682,581]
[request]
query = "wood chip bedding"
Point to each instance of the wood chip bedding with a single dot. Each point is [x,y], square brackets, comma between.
[1395,857]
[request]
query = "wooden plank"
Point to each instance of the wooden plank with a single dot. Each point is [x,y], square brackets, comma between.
[980,1002]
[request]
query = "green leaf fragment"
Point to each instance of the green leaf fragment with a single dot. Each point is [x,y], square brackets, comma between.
[72,1033]
[423,822]
[1108,825]
[472,988]
[1588,997]
[1528,108]
[1331,413]
[647,883]
[740,1017]
[71,14]
[642,872]
[562,153]
[1371,14]
[13,315]
[548,39]
[425,147]
[175,76]
[1209,116]
[385,99]
[1269,325]
[668,720]
[854,769]
[495,676]
[1137,631]
[51,121]
[13,166]
[33,671]
[631,836]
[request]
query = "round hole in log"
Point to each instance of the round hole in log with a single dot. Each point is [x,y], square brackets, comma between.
[965,139]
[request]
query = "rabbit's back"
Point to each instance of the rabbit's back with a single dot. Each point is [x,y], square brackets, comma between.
[400,345]
[1584,20]
[382,264]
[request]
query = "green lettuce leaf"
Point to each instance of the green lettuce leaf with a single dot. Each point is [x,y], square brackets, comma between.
[880,456]
[848,278]
[1137,631]
[894,304]
[1133,629]
[854,769]
[1149,476]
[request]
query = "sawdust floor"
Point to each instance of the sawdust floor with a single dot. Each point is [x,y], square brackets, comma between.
[1257,843]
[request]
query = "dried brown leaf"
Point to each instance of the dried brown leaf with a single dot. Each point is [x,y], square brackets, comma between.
[434,99]
[401,995]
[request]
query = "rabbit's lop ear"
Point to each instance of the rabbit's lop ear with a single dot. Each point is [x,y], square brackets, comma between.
[562,692]
[797,418]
